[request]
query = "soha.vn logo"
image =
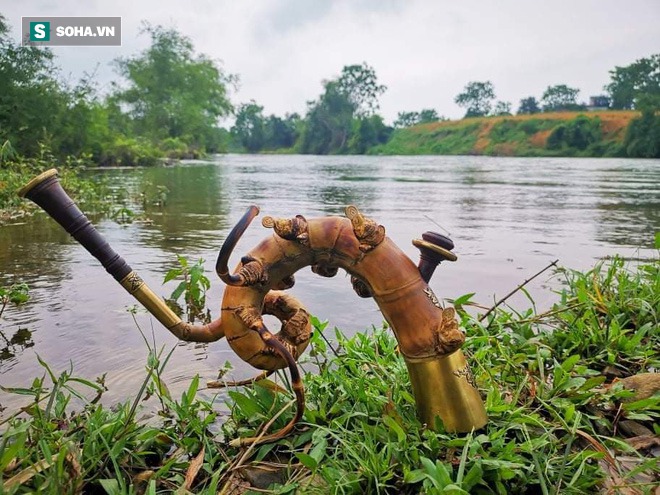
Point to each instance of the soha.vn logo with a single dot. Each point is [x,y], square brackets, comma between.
[40,31]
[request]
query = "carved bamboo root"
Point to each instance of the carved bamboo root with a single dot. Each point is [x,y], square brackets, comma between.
[428,336]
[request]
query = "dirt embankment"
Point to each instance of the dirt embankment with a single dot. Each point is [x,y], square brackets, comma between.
[594,133]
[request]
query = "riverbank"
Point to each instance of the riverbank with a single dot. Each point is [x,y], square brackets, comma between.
[588,134]
[570,403]
[15,173]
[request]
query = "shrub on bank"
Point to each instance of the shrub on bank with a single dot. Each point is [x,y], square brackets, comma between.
[16,171]
[643,136]
[130,152]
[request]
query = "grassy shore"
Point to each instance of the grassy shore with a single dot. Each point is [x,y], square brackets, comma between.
[544,134]
[16,172]
[569,393]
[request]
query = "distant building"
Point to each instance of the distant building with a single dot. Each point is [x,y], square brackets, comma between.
[598,103]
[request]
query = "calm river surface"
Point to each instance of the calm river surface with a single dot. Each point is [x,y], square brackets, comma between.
[509,217]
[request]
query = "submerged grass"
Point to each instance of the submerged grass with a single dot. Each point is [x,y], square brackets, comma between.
[564,414]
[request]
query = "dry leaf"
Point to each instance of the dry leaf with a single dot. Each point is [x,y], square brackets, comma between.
[193,469]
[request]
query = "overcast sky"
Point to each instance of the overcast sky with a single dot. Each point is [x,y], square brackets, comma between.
[424,51]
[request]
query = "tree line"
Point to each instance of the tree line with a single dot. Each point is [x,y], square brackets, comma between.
[344,120]
[168,101]
[636,86]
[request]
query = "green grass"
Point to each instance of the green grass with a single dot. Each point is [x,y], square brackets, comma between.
[431,140]
[15,172]
[93,194]
[545,134]
[558,417]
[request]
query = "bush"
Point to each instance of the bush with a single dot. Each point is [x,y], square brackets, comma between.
[643,136]
[131,152]
[578,133]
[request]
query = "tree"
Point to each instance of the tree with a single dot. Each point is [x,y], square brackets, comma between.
[359,84]
[629,83]
[477,98]
[528,106]
[502,108]
[31,99]
[642,137]
[409,119]
[330,120]
[328,123]
[560,97]
[368,132]
[249,127]
[281,133]
[171,92]
[406,119]
[429,115]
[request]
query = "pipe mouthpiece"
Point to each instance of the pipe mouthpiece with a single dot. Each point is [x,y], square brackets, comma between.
[433,248]
[24,191]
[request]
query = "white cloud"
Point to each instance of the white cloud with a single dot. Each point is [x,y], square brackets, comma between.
[425,51]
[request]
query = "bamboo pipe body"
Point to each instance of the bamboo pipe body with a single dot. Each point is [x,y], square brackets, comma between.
[428,335]
[422,328]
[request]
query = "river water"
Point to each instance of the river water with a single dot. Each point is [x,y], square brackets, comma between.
[508,217]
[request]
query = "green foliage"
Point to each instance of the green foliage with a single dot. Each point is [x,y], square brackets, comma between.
[343,119]
[177,148]
[15,173]
[16,294]
[359,84]
[171,97]
[193,288]
[560,98]
[328,123]
[579,133]
[406,119]
[52,448]
[629,83]
[282,133]
[643,136]
[171,92]
[249,127]
[128,152]
[502,108]
[257,133]
[477,98]
[368,132]
[548,384]
[614,314]
[456,139]
[30,97]
[582,135]
[409,119]
[528,106]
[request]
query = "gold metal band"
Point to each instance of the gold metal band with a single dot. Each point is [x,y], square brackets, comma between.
[136,287]
[444,386]
[448,255]
[36,181]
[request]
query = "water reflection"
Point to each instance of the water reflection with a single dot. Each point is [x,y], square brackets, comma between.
[337,186]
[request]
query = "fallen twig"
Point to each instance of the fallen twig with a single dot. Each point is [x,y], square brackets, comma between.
[554,263]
